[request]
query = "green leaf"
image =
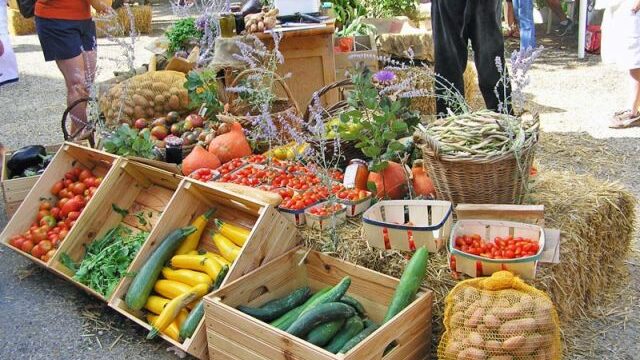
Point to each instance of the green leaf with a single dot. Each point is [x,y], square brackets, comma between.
[389,135]
[396,146]
[371,186]
[399,126]
[371,151]
[379,166]
[120,210]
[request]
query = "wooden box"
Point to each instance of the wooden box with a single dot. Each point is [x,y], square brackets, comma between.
[235,335]
[142,190]
[271,235]
[69,156]
[15,190]
[365,51]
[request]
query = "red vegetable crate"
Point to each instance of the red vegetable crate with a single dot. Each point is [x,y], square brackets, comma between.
[233,335]
[476,266]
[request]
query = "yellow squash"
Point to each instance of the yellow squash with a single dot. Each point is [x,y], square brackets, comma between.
[172,331]
[170,288]
[171,311]
[191,242]
[226,247]
[187,276]
[217,257]
[238,235]
[155,304]
[197,263]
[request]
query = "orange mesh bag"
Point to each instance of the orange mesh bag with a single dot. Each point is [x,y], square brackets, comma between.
[499,318]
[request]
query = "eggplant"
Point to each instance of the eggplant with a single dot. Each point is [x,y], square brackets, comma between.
[251,7]
[23,158]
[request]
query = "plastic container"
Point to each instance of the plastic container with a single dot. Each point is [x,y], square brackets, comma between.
[408,224]
[476,266]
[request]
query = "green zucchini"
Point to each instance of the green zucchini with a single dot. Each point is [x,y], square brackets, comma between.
[318,315]
[351,328]
[368,330]
[146,277]
[275,308]
[355,303]
[333,295]
[409,284]
[323,333]
[195,315]
[284,321]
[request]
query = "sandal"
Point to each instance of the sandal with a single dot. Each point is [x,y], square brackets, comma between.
[624,119]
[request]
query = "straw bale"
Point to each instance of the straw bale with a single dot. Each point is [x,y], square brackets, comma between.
[18,25]
[426,105]
[120,25]
[596,219]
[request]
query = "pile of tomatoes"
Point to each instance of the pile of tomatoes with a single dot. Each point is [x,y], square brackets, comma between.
[230,166]
[353,194]
[325,209]
[302,200]
[203,174]
[500,248]
[54,219]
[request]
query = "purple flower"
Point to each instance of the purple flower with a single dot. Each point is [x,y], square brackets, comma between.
[384,76]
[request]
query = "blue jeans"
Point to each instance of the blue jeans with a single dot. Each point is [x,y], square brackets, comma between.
[523,10]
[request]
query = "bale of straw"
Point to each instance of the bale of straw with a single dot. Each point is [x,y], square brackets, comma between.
[18,25]
[108,26]
[120,24]
[597,223]
[426,105]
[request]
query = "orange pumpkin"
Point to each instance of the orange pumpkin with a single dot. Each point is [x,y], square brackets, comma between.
[422,183]
[199,158]
[391,182]
[231,145]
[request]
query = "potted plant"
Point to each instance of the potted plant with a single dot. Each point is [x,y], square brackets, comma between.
[346,37]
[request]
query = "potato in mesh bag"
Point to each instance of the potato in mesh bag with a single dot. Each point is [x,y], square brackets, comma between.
[149,95]
[499,318]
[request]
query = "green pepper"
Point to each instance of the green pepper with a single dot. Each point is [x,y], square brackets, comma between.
[50,220]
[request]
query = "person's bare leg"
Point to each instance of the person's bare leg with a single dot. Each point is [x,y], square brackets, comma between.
[630,116]
[556,8]
[75,79]
[634,102]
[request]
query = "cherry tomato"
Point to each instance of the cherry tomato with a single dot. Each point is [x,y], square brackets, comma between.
[37,251]
[55,189]
[27,246]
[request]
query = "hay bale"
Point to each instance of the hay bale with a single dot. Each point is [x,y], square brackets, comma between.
[120,24]
[423,80]
[597,223]
[18,25]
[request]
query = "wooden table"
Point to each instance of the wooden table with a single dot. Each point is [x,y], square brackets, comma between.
[308,56]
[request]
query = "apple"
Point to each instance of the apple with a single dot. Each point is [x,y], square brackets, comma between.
[193,121]
[176,129]
[159,132]
[140,124]
[159,122]
[173,117]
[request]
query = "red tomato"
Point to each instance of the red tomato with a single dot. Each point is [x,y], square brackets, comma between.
[84,174]
[97,181]
[71,205]
[78,188]
[45,205]
[509,254]
[63,233]
[46,246]
[73,215]
[65,193]
[55,189]
[37,251]
[55,212]
[27,246]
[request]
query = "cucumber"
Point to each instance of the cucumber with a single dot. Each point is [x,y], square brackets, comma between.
[323,333]
[318,315]
[284,321]
[333,295]
[351,328]
[275,308]
[355,303]
[142,283]
[410,281]
[368,330]
[195,315]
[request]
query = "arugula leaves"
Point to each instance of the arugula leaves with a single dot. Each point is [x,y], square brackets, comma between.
[126,141]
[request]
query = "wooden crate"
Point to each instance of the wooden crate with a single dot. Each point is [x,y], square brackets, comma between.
[235,335]
[15,190]
[271,235]
[141,190]
[69,156]
[365,52]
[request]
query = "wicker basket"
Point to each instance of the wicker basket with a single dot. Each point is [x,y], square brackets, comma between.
[479,179]
[348,149]
[284,112]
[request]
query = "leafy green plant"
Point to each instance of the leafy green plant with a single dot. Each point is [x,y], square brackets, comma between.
[356,28]
[378,118]
[126,141]
[202,86]
[390,8]
[180,33]
[347,11]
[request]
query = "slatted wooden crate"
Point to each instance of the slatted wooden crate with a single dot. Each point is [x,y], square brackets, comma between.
[235,335]
[142,190]
[70,155]
[15,190]
[271,235]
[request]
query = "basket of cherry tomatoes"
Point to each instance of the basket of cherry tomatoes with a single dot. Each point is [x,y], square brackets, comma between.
[325,215]
[55,218]
[295,202]
[482,247]
[356,200]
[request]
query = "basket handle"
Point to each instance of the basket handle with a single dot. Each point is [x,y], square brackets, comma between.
[323,91]
[65,116]
[279,79]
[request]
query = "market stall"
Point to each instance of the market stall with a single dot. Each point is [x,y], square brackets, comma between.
[238,213]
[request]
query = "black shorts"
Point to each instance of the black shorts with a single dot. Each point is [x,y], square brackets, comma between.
[65,39]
